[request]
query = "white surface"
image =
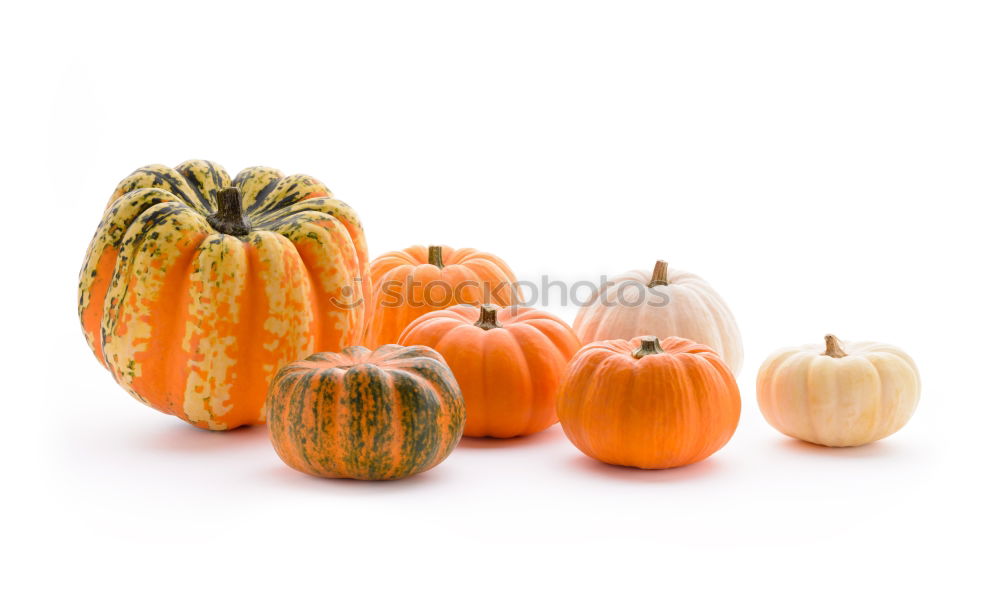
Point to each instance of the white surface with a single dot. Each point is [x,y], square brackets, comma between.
[828,167]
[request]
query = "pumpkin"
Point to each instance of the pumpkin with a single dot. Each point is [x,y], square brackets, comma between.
[380,415]
[420,279]
[648,403]
[662,303]
[508,363]
[838,394]
[197,287]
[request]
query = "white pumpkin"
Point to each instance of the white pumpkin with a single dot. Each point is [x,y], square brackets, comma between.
[838,394]
[663,303]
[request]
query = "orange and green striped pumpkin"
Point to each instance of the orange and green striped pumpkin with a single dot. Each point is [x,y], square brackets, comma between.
[197,287]
[368,415]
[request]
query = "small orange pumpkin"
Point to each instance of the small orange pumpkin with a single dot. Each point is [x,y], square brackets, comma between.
[508,363]
[648,403]
[421,279]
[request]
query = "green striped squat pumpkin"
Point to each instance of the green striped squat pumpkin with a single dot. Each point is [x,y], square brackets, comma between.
[368,415]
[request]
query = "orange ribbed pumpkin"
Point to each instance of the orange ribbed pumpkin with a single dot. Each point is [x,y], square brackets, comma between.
[508,362]
[648,403]
[420,279]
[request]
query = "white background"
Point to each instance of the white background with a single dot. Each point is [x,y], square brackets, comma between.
[827,166]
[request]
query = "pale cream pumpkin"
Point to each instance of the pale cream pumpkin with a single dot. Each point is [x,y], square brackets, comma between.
[838,394]
[663,303]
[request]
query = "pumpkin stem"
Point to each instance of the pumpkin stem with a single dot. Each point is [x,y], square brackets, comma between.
[434,257]
[488,317]
[659,274]
[833,347]
[229,217]
[649,345]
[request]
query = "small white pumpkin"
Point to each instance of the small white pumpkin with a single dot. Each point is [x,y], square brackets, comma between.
[840,394]
[663,304]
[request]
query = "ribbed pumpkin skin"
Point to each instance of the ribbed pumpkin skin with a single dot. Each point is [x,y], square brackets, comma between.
[406,286]
[865,395]
[688,307]
[380,415]
[509,375]
[659,411]
[194,322]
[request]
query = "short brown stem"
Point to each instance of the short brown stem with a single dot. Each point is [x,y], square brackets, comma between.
[434,256]
[833,347]
[229,217]
[648,345]
[659,274]
[488,317]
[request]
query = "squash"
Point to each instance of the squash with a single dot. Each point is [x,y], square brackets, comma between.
[648,403]
[380,415]
[662,303]
[197,287]
[838,394]
[420,279]
[508,363]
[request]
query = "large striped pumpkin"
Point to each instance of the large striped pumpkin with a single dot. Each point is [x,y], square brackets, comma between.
[508,362]
[420,279]
[197,288]
[366,415]
[648,403]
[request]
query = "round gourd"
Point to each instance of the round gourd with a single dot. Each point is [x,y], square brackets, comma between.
[838,394]
[648,403]
[661,303]
[380,415]
[508,362]
[197,288]
[420,279]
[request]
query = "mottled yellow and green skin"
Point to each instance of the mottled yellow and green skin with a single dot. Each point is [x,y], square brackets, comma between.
[195,322]
[367,415]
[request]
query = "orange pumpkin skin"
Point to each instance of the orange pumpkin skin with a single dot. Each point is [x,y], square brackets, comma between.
[508,362]
[674,405]
[381,415]
[421,279]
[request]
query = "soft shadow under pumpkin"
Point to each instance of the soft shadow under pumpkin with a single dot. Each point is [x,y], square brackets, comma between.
[285,475]
[185,438]
[695,471]
[549,435]
[878,449]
